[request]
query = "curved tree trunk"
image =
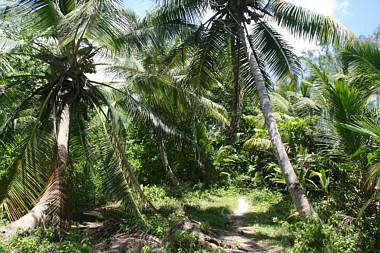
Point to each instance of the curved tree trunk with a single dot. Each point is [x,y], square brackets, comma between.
[165,163]
[294,187]
[51,204]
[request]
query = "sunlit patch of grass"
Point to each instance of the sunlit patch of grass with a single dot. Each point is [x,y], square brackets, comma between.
[211,207]
[267,208]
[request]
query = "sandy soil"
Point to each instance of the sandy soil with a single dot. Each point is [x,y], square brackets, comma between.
[242,235]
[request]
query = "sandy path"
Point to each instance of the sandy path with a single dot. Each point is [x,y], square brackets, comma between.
[242,207]
[241,234]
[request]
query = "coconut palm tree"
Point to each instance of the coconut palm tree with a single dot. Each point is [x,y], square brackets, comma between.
[169,97]
[69,34]
[250,24]
[361,61]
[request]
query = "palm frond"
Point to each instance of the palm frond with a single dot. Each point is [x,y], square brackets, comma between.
[277,54]
[262,67]
[206,58]
[28,173]
[346,104]
[45,14]
[318,74]
[186,11]
[279,103]
[373,176]
[367,127]
[362,61]
[103,21]
[257,144]
[307,24]
[118,171]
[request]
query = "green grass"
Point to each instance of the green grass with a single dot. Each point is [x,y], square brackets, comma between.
[267,209]
[212,206]
[211,212]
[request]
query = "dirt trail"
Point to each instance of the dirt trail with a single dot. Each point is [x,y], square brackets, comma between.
[241,234]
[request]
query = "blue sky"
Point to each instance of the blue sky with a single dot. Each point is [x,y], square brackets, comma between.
[361,16]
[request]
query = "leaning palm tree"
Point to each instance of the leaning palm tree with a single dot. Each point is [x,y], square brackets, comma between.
[168,97]
[69,35]
[258,46]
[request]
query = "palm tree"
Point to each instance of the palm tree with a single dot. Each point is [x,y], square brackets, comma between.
[69,34]
[249,23]
[168,98]
[347,123]
[361,60]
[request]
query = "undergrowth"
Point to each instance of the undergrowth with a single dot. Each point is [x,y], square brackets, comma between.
[46,240]
[272,219]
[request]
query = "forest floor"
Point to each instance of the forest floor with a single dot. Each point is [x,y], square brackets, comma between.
[244,222]
[235,220]
[245,219]
[241,233]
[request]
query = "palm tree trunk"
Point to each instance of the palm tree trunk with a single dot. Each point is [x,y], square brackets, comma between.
[165,163]
[237,107]
[294,187]
[238,99]
[51,204]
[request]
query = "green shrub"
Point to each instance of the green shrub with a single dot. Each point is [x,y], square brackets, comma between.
[45,240]
[369,236]
[315,236]
[182,241]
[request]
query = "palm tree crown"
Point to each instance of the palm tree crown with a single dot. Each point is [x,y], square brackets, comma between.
[69,35]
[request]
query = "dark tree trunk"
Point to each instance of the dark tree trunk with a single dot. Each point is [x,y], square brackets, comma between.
[237,104]
[166,165]
[237,109]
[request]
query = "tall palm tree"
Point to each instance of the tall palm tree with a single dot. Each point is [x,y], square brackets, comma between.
[69,33]
[259,47]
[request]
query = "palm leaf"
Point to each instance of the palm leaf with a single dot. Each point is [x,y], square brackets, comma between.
[257,144]
[306,24]
[362,61]
[45,14]
[27,175]
[277,54]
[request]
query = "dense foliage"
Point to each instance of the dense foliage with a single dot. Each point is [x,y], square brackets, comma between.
[181,118]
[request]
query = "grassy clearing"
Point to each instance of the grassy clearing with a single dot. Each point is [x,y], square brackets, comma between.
[209,206]
[212,206]
[266,210]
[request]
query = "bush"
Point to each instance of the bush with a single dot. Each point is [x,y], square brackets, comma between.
[44,240]
[183,241]
[315,236]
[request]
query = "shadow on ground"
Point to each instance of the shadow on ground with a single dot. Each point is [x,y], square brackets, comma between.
[214,218]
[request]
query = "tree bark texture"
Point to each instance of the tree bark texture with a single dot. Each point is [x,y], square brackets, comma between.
[237,108]
[165,163]
[237,104]
[50,206]
[294,187]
